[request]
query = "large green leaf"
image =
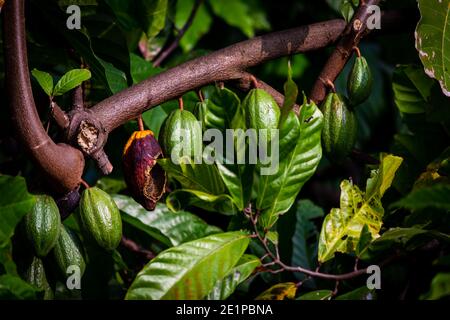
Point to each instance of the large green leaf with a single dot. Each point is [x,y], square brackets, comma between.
[202,177]
[15,202]
[440,287]
[303,252]
[200,25]
[190,270]
[44,79]
[140,69]
[183,198]
[170,228]
[436,196]
[411,89]
[433,40]
[226,286]
[238,180]
[70,80]
[153,15]
[13,287]
[277,192]
[362,293]
[342,227]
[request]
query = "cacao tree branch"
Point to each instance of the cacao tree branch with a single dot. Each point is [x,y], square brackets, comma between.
[352,35]
[61,163]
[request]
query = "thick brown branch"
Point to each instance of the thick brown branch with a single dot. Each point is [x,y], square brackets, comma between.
[166,52]
[62,164]
[338,59]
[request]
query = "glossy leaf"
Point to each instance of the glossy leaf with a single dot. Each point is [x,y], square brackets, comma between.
[362,293]
[433,40]
[277,192]
[13,287]
[226,286]
[220,108]
[436,196]
[238,180]
[317,295]
[183,198]
[70,80]
[290,95]
[15,202]
[279,291]
[189,271]
[111,185]
[170,228]
[154,16]
[199,27]
[45,80]
[439,288]
[342,227]
[347,10]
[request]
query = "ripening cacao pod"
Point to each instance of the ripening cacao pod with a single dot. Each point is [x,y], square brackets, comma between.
[100,218]
[68,251]
[145,178]
[359,82]
[42,225]
[261,110]
[181,136]
[340,127]
[35,275]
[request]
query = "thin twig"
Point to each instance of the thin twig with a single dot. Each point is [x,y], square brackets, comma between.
[134,247]
[166,52]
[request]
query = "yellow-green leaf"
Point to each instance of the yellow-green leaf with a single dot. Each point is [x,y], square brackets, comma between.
[279,291]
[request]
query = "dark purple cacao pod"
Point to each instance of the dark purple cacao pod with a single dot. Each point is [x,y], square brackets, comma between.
[145,179]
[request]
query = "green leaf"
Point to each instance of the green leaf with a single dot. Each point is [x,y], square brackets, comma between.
[154,118]
[70,80]
[411,89]
[199,27]
[440,287]
[170,228]
[433,40]
[238,180]
[226,286]
[436,196]
[290,96]
[221,106]
[15,202]
[317,295]
[347,10]
[277,192]
[153,16]
[342,227]
[365,238]
[191,270]
[303,253]
[140,69]
[183,198]
[13,287]
[279,291]
[202,177]
[362,293]
[111,185]
[44,79]
[6,259]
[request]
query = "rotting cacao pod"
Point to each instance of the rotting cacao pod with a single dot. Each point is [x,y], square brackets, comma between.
[181,136]
[68,251]
[359,82]
[261,110]
[42,225]
[145,178]
[340,128]
[101,218]
[35,275]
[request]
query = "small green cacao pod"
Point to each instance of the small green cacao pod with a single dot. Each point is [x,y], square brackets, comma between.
[261,110]
[100,218]
[68,252]
[145,178]
[359,82]
[340,128]
[35,275]
[181,136]
[42,225]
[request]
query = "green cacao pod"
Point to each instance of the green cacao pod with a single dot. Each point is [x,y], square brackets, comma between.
[35,275]
[359,82]
[261,110]
[100,218]
[68,251]
[42,225]
[340,127]
[181,136]
[145,179]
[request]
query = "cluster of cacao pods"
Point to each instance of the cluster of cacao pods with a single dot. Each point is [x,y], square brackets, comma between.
[340,124]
